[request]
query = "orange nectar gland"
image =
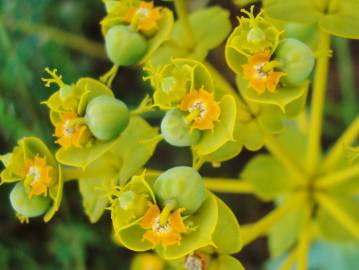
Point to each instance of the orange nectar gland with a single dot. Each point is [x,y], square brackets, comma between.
[203,109]
[71,131]
[37,175]
[166,233]
[259,72]
[144,17]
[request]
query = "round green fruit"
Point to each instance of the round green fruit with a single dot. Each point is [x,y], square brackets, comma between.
[181,185]
[125,46]
[297,61]
[106,117]
[26,206]
[176,131]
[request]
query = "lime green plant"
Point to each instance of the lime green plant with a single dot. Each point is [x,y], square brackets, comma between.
[173,216]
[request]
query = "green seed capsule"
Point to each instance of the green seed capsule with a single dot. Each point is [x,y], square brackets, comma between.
[297,61]
[182,185]
[26,206]
[106,117]
[125,46]
[176,131]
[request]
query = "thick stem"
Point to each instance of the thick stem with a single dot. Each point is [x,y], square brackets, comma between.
[338,150]
[226,185]
[261,227]
[181,10]
[318,98]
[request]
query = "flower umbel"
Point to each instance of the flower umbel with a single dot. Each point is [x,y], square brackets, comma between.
[166,233]
[71,131]
[203,109]
[37,175]
[259,72]
[145,17]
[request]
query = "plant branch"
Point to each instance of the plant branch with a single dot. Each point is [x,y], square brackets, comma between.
[253,231]
[338,177]
[337,151]
[318,98]
[227,185]
[64,38]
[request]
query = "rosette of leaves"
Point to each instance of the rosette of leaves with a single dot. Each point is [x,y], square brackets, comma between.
[338,18]
[134,30]
[323,207]
[201,39]
[38,178]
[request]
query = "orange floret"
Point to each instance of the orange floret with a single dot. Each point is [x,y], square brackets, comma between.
[146,16]
[71,133]
[203,109]
[37,175]
[167,234]
[259,78]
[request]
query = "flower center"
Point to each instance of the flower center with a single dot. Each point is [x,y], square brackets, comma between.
[68,129]
[145,12]
[195,262]
[34,173]
[200,107]
[259,71]
[161,229]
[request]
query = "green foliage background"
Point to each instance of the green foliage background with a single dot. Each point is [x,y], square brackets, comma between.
[70,241]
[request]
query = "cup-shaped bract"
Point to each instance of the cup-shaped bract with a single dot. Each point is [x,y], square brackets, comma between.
[177,131]
[39,181]
[106,117]
[182,185]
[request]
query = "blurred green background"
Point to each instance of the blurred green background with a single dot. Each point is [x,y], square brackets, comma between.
[35,34]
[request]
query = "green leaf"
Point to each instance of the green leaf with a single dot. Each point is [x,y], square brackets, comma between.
[345,26]
[223,130]
[285,232]
[98,179]
[253,137]
[300,11]
[267,176]
[226,237]
[330,228]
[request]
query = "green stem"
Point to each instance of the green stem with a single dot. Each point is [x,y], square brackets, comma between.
[289,261]
[71,173]
[227,185]
[338,150]
[318,97]
[66,39]
[181,10]
[338,177]
[166,212]
[261,227]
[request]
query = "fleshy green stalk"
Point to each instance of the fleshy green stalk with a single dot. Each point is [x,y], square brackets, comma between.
[226,185]
[318,98]
[337,177]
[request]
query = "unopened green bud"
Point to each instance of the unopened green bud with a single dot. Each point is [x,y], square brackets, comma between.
[176,131]
[125,46]
[256,35]
[182,185]
[106,117]
[28,206]
[297,61]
